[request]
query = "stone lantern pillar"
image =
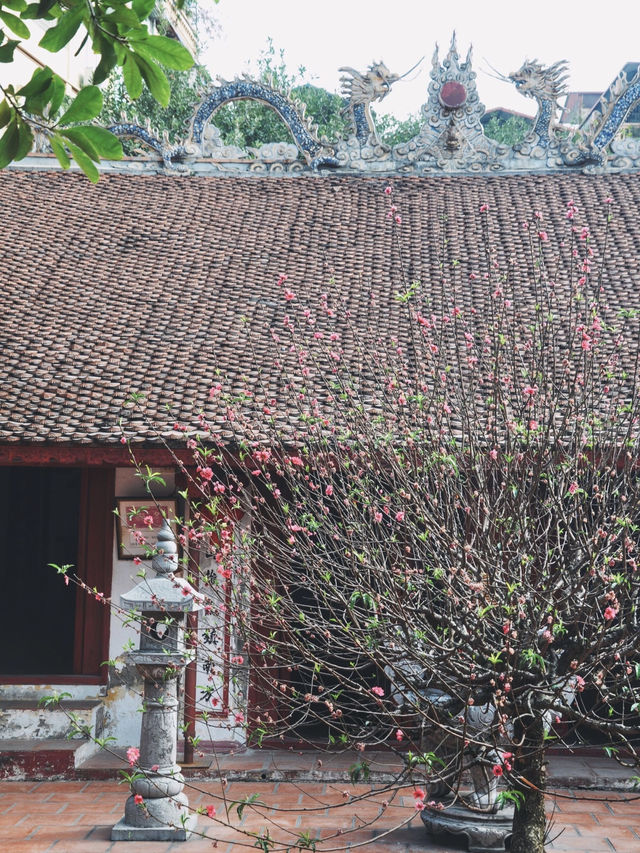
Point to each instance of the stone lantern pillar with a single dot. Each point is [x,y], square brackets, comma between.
[162,813]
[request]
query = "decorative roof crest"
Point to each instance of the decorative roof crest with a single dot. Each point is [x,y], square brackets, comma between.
[451,139]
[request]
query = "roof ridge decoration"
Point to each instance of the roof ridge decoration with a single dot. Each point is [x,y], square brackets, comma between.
[451,139]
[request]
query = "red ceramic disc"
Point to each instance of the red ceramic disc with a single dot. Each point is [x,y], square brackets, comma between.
[453,94]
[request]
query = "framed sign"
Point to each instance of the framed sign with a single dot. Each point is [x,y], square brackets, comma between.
[138,521]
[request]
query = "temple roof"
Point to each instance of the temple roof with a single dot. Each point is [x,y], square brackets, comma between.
[141,283]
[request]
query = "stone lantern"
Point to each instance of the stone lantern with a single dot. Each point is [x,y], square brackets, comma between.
[162,602]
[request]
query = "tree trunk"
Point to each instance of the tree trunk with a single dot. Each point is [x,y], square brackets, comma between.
[529,822]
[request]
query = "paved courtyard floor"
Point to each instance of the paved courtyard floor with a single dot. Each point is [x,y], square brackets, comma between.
[77,816]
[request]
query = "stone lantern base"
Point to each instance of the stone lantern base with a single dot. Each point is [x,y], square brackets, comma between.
[485,832]
[162,819]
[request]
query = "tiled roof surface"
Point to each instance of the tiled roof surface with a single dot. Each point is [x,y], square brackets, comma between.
[137,283]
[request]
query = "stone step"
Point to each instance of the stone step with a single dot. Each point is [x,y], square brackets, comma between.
[46,758]
[26,718]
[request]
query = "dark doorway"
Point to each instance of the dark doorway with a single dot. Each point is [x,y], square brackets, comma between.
[39,524]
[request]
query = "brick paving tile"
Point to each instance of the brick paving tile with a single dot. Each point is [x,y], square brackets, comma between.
[68,817]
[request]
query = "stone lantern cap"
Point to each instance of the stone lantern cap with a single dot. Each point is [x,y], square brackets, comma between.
[162,594]
[165,593]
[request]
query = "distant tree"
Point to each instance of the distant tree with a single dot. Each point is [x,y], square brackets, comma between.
[394,131]
[507,131]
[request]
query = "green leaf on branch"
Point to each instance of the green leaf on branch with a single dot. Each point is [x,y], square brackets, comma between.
[132,77]
[86,105]
[37,11]
[84,162]
[56,95]
[5,114]
[124,16]
[58,36]
[9,143]
[40,79]
[143,8]
[166,51]
[108,60]
[16,141]
[155,79]
[58,149]
[7,49]
[95,141]
[16,5]
[15,24]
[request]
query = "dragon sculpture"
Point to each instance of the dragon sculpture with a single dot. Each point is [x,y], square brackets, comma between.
[360,91]
[545,84]
[451,137]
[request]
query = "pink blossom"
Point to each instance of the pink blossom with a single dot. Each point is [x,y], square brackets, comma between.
[484,208]
[387,190]
[289,294]
[377,516]
[398,219]
[399,735]
[155,768]
[573,488]
[281,279]
[419,794]
[497,770]
[296,460]
[544,237]
[148,520]
[239,717]
[328,491]
[219,488]
[529,390]
[377,691]
[493,454]
[610,613]
[206,473]
[133,754]
[419,805]
[400,516]
[211,811]
[138,799]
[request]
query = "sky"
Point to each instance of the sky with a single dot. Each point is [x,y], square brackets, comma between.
[597,39]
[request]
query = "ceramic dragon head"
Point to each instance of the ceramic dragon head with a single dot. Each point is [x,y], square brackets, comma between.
[545,83]
[365,88]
